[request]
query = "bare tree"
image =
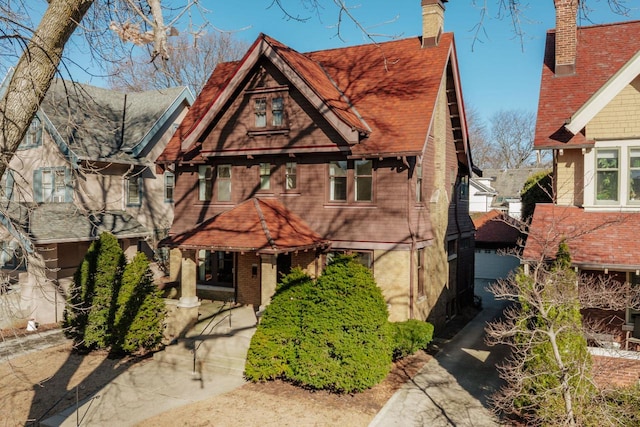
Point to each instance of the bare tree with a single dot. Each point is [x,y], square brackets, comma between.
[193,58]
[481,149]
[512,133]
[549,377]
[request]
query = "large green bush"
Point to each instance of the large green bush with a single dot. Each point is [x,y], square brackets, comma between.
[109,264]
[329,334]
[103,314]
[140,309]
[410,336]
[537,189]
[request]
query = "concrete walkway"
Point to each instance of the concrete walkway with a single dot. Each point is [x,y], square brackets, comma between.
[453,388]
[156,386]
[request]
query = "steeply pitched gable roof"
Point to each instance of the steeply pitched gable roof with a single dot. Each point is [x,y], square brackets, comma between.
[262,225]
[88,121]
[602,50]
[386,93]
[596,239]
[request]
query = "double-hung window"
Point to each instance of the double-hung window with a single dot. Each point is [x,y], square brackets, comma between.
[338,181]
[607,175]
[205,174]
[53,185]
[260,107]
[223,181]
[363,178]
[634,175]
[291,173]
[134,190]
[265,176]
[169,184]
[277,111]
[33,137]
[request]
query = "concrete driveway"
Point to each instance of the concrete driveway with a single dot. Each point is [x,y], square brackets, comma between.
[454,387]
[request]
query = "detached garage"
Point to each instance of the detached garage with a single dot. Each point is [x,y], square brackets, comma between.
[496,235]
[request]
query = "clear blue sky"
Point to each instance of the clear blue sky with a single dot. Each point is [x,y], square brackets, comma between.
[498,71]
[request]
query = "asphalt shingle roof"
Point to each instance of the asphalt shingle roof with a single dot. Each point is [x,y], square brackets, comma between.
[262,225]
[89,119]
[387,91]
[603,239]
[601,51]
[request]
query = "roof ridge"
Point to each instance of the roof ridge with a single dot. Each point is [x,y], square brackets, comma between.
[594,26]
[263,223]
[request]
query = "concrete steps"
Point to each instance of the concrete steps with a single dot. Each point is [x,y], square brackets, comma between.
[221,340]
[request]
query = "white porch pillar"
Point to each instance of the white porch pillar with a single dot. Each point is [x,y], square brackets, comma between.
[269,278]
[188,272]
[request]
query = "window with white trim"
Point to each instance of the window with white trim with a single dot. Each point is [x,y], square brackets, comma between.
[607,175]
[33,137]
[634,175]
[277,111]
[133,188]
[53,185]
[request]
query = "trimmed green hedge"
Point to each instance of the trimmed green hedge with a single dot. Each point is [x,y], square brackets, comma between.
[329,334]
[410,336]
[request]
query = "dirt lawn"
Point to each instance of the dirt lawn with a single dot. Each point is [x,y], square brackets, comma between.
[38,385]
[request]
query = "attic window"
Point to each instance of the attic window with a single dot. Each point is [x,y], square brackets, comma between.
[260,105]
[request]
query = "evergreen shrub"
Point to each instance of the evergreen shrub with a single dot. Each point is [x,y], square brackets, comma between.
[410,336]
[330,334]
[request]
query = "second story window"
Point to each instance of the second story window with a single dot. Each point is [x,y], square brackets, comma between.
[169,184]
[53,185]
[607,175]
[260,106]
[265,176]
[634,175]
[338,181]
[364,180]
[133,188]
[223,180]
[204,183]
[291,180]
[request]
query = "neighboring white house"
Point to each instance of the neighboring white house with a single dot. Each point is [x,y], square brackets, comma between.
[499,189]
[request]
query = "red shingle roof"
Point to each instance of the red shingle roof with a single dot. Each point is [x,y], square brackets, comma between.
[601,51]
[494,228]
[261,225]
[596,239]
[387,91]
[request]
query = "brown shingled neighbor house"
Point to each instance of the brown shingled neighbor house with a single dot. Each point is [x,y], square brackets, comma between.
[286,158]
[589,116]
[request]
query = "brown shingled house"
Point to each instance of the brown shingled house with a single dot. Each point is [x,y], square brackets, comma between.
[286,158]
[589,115]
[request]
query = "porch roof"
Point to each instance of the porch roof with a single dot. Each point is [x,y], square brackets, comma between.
[255,225]
[597,240]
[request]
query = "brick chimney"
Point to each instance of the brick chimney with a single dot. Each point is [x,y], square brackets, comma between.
[432,22]
[566,36]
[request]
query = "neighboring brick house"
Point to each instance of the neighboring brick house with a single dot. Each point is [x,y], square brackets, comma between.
[589,116]
[85,166]
[286,158]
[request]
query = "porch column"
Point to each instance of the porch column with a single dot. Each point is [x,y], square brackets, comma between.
[269,278]
[188,272]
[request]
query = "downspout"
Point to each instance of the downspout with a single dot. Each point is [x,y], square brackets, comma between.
[124,116]
[411,234]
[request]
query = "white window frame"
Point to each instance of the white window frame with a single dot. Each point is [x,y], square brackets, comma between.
[359,179]
[169,186]
[137,187]
[53,185]
[265,176]
[223,183]
[334,177]
[205,175]
[291,176]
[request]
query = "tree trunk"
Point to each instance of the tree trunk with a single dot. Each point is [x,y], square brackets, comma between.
[35,70]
